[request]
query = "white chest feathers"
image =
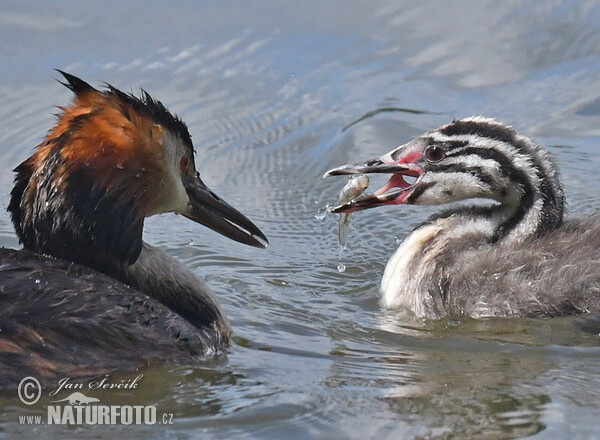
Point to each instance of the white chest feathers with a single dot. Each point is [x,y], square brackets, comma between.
[401,286]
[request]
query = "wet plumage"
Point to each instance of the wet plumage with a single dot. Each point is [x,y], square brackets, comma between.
[78,207]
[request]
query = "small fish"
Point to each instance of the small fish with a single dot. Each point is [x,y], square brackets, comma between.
[353,190]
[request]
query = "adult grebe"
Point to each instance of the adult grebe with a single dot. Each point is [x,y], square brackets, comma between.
[78,207]
[515,257]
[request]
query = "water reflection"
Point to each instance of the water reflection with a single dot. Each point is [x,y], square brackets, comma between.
[466,379]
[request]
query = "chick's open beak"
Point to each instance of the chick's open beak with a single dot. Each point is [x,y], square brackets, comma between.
[396,191]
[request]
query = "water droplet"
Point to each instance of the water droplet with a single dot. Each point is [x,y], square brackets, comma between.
[322,212]
[341,268]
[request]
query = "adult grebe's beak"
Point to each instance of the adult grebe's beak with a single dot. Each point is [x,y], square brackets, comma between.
[210,210]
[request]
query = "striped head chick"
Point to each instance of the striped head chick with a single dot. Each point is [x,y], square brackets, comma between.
[111,160]
[472,158]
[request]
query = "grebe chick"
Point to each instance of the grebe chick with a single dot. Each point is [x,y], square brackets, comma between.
[87,296]
[511,258]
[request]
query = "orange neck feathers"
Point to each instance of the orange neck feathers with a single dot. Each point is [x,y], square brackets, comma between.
[84,193]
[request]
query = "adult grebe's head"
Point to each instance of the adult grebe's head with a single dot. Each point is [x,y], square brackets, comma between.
[111,160]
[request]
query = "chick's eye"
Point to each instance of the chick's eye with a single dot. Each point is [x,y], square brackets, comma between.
[183,164]
[435,153]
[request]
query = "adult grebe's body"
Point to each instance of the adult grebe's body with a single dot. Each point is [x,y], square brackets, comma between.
[515,257]
[78,207]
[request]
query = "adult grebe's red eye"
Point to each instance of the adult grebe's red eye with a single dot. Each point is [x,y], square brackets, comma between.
[434,153]
[184,163]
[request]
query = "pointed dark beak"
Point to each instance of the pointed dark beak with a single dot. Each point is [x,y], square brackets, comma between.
[210,210]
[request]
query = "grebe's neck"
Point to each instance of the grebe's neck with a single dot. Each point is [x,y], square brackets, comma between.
[91,213]
[411,272]
[95,217]
[412,277]
[161,276]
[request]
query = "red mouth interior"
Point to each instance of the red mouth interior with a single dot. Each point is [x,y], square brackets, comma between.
[397,181]
[386,194]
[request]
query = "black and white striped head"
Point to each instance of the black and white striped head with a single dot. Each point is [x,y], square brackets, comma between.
[475,157]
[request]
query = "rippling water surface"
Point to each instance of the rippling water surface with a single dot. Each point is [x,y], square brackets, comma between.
[274,94]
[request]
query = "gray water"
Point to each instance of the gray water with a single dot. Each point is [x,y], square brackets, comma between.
[275,93]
